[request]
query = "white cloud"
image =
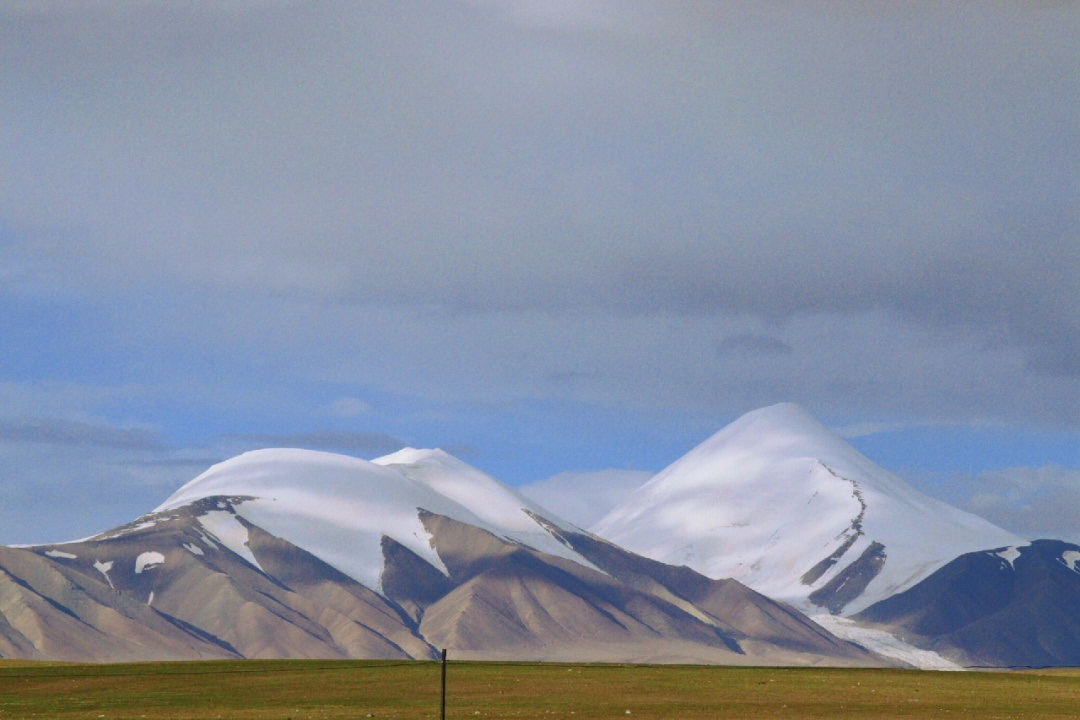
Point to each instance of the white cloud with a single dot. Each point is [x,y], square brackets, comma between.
[51,493]
[1037,502]
[555,14]
[786,162]
[865,429]
[350,407]
[585,497]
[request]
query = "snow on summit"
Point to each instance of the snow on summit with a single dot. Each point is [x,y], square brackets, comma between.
[499,508]
[339,508]
[779,502]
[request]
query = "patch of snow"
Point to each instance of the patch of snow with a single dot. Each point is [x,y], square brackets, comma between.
[150,600]
[148,560]
[142,526]
[61,554]
[104,568]
[500,509]
[774,493]
[1010,554]
[1070,557]
[206,539]
[193,549]
[884,643]
[230,532]
[112,534]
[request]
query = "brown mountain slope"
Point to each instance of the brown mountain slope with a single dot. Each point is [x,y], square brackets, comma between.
[167,587]
[1005,607]
[517,602]
[514,602]
[754,620]
[164,588]
[53,609]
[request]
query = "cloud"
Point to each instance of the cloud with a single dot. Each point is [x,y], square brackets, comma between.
[53,398]
[1037,502]
[545,14]
[840,365]
[350,407]
[63,478]
[585,497]
[262,210]
[56,431]
[868,428]
[783,163]
[465,451]
[596,19]
[357,442]
[752,343]
[58,491]
[177,459]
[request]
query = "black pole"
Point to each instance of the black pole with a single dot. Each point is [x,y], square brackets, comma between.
[442,700]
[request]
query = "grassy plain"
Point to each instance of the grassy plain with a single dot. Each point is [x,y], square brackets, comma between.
[275,690]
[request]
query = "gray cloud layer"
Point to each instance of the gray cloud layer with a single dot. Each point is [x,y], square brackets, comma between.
[682,208]
[350,442]
[57,431]
[868,208]
[1036,502]
[62,479]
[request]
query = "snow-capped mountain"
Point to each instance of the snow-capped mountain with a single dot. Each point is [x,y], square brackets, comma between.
[780,503]
[293,553]
[340,508]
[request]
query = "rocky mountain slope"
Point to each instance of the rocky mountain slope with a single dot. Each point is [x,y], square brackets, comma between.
[1016,606]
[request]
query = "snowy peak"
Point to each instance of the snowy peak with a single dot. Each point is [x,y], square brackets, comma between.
[485,496]
[784,431]
[218,575]
[779,502]
[341,508]
[776,423]
[417,456]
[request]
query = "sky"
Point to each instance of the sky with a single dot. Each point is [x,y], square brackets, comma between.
[548,237]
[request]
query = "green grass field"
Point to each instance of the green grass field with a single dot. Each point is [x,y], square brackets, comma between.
[319,689]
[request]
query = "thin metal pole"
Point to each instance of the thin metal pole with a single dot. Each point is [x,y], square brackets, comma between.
[442,701]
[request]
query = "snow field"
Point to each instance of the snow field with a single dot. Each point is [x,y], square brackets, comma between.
[774,493]
[339,508]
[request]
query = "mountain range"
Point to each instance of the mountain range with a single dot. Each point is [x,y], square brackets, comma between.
[773,542]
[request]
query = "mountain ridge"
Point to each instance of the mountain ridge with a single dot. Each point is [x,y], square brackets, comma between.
[778,501]
[285,552]
[294,553]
